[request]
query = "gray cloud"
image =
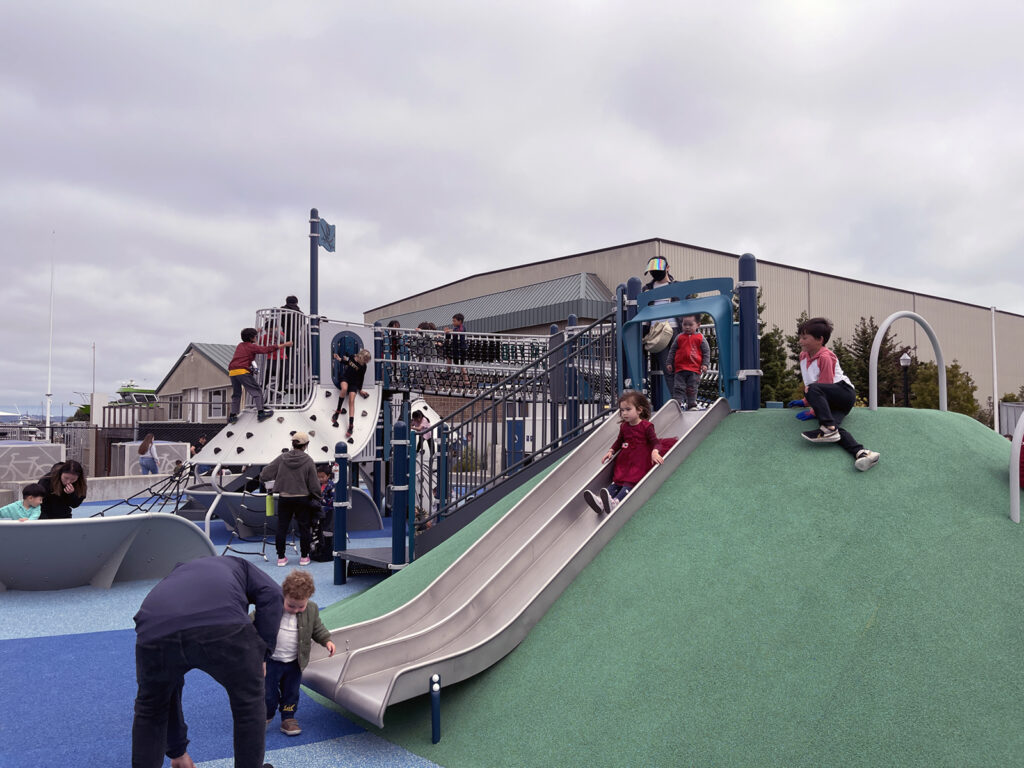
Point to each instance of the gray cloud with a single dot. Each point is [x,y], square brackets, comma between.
[166,157]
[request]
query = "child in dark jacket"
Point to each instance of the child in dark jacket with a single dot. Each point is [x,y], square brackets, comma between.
[639,452]
[352,373]
[300,625]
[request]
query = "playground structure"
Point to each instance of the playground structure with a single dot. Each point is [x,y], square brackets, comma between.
[61,554]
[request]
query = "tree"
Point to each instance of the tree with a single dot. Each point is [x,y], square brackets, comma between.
[778,381]
[960,388]
[857,364]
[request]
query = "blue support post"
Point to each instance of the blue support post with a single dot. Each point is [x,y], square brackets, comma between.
[379,369]
[399,490]
[442,465]
[555,420]
[572,382]
[633,288]
[620,321]
[435,709]
[750,352]
[314,304]
[341,507]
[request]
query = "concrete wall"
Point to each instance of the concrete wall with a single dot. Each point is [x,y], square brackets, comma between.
[102,488]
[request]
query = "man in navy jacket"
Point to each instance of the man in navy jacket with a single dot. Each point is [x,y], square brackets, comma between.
[198,618]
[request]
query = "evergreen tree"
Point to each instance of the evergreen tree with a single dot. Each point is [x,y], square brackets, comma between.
[890,372]
[960,388]
[778,380]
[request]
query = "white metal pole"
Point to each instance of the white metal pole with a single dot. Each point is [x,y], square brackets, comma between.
[49,359]
[995,377]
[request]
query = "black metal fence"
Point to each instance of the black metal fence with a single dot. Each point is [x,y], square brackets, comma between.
[528,414]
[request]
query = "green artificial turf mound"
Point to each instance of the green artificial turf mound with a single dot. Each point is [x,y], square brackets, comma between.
[770,605]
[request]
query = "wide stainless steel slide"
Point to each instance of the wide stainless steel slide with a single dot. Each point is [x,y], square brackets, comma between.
[485,602]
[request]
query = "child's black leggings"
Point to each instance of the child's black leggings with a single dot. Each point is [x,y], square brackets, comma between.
[832,403]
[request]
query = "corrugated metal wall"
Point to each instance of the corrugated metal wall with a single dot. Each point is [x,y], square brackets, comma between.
[963,330]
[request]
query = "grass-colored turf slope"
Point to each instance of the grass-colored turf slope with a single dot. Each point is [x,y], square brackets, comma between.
[773,606]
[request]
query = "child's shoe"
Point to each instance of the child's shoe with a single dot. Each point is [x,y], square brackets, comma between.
[822,435]
[291,727]
[263,415]
[282,562]
[591,499]
[232,418]
[606,500]
[303,561]
[865,460]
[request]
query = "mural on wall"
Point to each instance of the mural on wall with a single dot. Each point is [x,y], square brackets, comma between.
[27,462]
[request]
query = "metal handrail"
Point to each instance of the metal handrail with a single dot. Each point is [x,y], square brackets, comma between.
[562,394]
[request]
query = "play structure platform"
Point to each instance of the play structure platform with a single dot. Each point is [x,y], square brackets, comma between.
[486,602]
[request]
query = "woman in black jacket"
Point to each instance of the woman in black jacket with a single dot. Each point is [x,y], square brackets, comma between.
[65,488]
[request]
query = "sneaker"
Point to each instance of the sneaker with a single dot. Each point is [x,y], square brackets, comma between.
[348,432]
[263,415]
[303,561]
[865,460]
[291,727]
[282,562]
[591,499]
[606,500]
[821,435]
[232,418]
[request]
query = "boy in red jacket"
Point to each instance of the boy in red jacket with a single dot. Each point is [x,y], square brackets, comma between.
[689,354]
[240,371]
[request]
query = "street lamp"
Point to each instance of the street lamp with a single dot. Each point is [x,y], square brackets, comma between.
[905,363]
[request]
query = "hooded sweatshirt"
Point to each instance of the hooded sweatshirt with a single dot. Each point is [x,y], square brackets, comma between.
[293,473]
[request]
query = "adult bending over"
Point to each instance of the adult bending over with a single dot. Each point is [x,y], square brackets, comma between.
[197,618]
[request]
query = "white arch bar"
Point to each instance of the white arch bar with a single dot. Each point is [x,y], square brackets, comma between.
[876,345]
[1018,435]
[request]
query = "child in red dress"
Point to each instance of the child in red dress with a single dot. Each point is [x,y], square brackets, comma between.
[639,451]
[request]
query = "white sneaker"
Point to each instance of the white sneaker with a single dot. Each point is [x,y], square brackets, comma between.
[865,460]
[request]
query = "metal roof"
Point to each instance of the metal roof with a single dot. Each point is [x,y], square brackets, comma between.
[552,301]
[218,354]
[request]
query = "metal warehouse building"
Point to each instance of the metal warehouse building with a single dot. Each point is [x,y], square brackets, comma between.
[528,298]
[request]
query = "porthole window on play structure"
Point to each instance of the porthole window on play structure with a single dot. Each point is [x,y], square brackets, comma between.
[343,344]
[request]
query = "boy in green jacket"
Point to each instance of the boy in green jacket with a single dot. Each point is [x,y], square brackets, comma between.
[29,506]
[300,625]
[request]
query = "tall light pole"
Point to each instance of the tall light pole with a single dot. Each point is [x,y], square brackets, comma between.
[905,364]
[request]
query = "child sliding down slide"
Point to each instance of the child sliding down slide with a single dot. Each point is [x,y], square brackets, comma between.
[638,446]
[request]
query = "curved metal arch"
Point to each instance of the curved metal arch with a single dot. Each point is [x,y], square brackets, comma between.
[876,345]
[1018,437]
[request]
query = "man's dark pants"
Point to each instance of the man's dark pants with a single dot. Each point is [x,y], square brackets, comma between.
[233,656]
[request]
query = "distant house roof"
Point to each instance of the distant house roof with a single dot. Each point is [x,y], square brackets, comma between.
[552,301]
[218,354]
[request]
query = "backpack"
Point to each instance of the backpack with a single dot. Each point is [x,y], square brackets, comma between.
[659,337]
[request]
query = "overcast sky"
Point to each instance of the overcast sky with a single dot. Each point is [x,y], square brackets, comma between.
[165,156]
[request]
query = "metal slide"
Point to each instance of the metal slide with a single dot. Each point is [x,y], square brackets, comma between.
[486,602]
